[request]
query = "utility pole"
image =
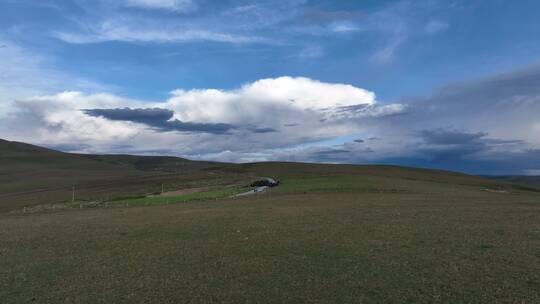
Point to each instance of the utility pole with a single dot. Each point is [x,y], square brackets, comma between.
[162,188]
[73,194]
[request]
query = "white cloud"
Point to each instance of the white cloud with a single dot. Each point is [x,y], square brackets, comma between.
[387,53]
[344,27]
[176,5]
[268,114]
[311,52]
[236,25]
[298,119]
[57,119]
[25,73]
[307,93]
[435,26]
[532,172]
[399,22]
[250,101]
[129,31]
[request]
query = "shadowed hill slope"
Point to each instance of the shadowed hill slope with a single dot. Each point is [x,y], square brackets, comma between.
[533,181]
[281,170]
[32,175]
[327,234]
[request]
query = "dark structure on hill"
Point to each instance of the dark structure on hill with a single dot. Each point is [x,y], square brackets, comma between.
[266,181]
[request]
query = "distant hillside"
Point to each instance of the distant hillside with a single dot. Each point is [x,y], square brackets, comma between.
[315,170]
[14,149]
[518,179]
[328,233]
[30,174]
[16,157]
[150,163]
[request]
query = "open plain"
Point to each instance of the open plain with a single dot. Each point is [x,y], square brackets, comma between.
[328,233]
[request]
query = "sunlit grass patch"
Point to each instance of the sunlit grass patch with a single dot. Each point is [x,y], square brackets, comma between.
[161,200]
[330,184]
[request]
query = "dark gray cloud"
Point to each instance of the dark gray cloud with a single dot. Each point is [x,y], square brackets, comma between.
[448,137]
[330,155]
[330,152]
[149,116]
[446,145]
[366,111]
[498,163]
[486,126]
[67,147]
[262,130]
[159,119]
[441,148]
[508,101]
[519,86]
[122,147]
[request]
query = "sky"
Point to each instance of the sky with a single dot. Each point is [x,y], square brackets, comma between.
[444,84]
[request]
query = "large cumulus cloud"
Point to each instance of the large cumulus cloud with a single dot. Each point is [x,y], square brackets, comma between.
[247,104]
[489,125]
[263,115]
[486,126]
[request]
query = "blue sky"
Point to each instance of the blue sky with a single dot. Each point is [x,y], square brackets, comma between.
[291,80]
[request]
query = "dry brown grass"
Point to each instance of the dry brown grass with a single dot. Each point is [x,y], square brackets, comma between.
[344,238]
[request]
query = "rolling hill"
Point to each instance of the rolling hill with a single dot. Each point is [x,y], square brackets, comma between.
[32,175]
[529,180]
[327,234]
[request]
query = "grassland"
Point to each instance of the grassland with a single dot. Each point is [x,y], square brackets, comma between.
[211,194]
[31,175]
[533,181]
[327,234]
